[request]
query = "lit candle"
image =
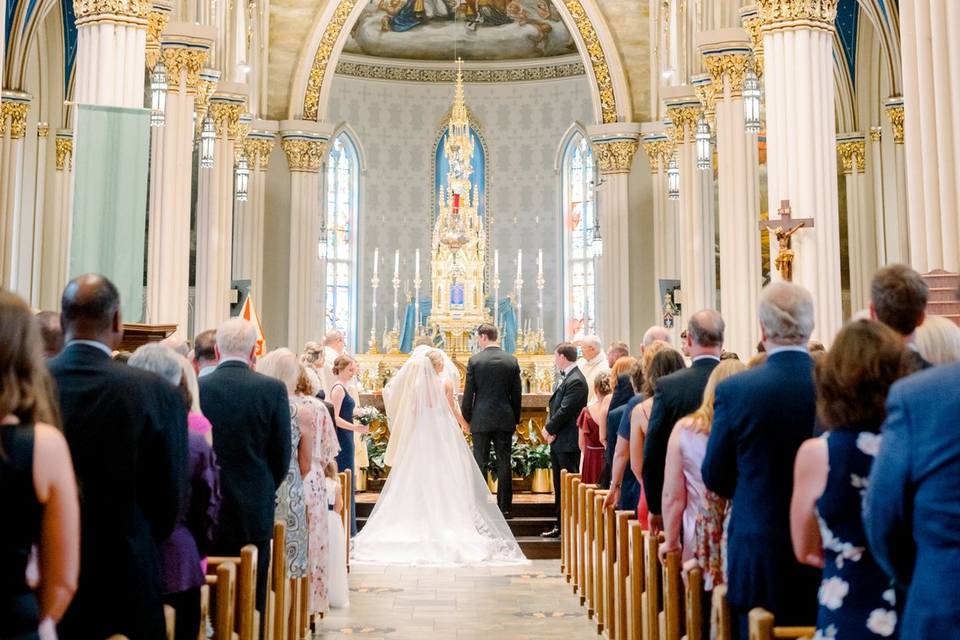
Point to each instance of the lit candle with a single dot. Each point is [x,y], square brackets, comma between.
[540,262]
[396,264]
[519,262]
[417,261]
[376,260]
[496,263]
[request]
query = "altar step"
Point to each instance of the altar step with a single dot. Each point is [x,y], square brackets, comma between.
[532,515]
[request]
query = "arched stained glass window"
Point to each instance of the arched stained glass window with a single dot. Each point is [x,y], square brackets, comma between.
[580,301]
[342,208]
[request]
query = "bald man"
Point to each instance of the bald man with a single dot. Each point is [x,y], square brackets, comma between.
[127,431]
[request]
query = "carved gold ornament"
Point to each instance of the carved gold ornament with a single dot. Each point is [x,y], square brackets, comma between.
[657,151]
[732,66]
[258,150]
[614,156]
[64,153]
[851,151]
[95,10]
[226,118]
[775,14]
[16,111]
[304,155]
[156,23]
[876,133]
[43,129]
[311,100]
[180,60]
[204,91]
[895,114]
[683,123]
[608,101]
[415,74]
[752,24]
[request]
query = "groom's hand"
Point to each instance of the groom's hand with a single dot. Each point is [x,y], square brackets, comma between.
[546,436]
[465,427]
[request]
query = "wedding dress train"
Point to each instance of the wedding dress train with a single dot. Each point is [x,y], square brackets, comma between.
[435,508]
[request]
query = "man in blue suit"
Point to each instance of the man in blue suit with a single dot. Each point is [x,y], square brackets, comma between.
[761,417]
[911,511]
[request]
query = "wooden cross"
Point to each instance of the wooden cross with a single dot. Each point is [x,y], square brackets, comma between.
[784,228]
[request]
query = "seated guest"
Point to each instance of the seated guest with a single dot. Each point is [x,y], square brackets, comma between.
[127,432]
[38,486]
[180,554]
[911,511]
[591,441]
[677,395]
[938,340]
[760,419]
[250,414]
[50,332]
[898,299]
[856,598]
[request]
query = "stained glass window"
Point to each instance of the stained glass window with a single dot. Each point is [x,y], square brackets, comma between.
[342,192]
[580,302]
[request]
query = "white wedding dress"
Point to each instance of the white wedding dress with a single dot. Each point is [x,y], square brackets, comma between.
[435,508]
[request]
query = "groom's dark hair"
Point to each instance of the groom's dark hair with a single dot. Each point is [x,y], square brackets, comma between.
[488,330]
[567,350]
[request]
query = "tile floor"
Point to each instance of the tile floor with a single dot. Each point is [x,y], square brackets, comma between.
[496,603]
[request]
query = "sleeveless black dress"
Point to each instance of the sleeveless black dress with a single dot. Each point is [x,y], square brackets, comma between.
[19,608]
[345,459]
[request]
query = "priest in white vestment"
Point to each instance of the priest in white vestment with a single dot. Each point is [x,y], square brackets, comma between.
[592,363]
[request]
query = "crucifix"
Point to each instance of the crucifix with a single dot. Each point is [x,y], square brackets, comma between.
[784,228]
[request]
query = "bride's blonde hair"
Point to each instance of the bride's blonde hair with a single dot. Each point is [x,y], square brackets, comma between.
[436,358]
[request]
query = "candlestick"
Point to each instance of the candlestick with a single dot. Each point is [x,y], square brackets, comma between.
[374,283]
[518,284]
[376,260]
[496,287]
[540,261]
[540,284]
[416,295]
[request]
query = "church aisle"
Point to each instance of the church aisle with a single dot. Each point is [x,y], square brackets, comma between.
[506,603]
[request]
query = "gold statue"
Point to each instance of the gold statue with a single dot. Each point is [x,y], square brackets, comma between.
[785,254]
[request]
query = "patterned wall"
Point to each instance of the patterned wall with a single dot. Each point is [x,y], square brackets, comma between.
[523,125]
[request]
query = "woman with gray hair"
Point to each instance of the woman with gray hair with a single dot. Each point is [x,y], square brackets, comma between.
[182,554]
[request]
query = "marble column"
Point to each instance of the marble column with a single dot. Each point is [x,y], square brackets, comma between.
[249,215]
[614,146]
[13,129]
[111,50]
[727,58]
[304,144]
[33,224]
[931,125]
[695,220]
[658,147]
[801,153]
[56,229]
[899,228]
[184,48]
[861,224]
[215,210]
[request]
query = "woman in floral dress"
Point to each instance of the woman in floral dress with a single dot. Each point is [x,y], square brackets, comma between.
[857,600]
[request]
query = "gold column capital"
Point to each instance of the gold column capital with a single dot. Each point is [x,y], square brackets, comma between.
[784,14]
[614,156]
[226,118]
[658,150]
[852,155]
[206,85]
[64,151]
[43,129]
[752,24]
[683,122]
[128,11]
[895,115]
[16,112]
[304,154]
[733,66]
[876,133]
[188,60]
[257,148]
[156,23]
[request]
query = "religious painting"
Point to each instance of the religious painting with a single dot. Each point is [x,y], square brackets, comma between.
[478,161]
[469,29]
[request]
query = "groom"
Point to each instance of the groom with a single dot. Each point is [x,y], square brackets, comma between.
[491,405]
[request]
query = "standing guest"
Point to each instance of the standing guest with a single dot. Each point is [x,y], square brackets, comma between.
[593,362]
[898,299]
[760,419]
[344,369]
[314,357]
[336,569]
[911,512]
[127,432]
[590,441]
[180,554]
[36,482]
[50,332]
[250,414]
[938,340]
[612,412]
[853,378]
[676,396]
[196,421]
[620,379]
[560,432]
[333,348]
[615,351]
[291,507]
[205,352]
[176,344]
[492,394]
[656,333]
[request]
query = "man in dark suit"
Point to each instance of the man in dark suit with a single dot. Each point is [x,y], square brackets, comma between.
[491,404]
[898,299]
[560,432]
[761,417]
[676,396]
[127,431]
[250,414]
[911,512]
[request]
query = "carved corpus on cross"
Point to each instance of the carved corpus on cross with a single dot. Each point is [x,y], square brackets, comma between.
[784,228]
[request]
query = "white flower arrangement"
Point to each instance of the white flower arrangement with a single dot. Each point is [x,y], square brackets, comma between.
[367,415]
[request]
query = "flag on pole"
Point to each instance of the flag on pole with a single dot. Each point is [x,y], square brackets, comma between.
[250,314]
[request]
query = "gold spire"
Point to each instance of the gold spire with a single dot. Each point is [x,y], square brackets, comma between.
[458,147]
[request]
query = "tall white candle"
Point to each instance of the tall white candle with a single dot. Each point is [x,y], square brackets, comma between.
[376,260]
[496,263]
[519,262]
[417,261]
[396,264]
[540,262]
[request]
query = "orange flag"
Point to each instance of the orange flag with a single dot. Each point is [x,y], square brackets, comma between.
[249,314]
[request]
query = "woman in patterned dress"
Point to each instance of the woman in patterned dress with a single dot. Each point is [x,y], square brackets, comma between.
[325,449]
[290,505]
[857,600]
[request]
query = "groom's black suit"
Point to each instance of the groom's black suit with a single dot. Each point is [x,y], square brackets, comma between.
[491,404]
[566,403]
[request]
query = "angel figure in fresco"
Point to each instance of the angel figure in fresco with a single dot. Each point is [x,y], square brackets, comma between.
[486,12]
[413,13]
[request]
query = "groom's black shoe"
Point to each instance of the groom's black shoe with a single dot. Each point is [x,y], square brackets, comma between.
[507,515]
[553,533]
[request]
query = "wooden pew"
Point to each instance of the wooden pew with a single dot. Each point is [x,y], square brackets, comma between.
[246,601]
[588,594]
[721,620]
[574,537]
[581,541]
[762,628]
[619,627]
[637,581]
[170,619]
[599,559]
[650,601]
[672,597]
[226,582]
[609,572]
[564,526]
[279,583]
[694,610]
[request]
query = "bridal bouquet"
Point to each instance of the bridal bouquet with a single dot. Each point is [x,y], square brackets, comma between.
[367,415]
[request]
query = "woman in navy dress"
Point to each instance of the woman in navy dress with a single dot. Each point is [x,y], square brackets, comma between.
[857,600]
[345,368]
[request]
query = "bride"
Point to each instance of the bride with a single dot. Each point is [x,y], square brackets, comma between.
[435,508]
